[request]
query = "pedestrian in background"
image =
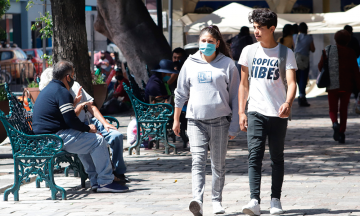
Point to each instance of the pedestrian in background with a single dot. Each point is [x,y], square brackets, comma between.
[354,44]
[287,38]
[209,81]
[303,45]
[344,76]
[238,43]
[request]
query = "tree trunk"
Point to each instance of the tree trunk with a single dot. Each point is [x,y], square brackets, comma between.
[70,40]
[128,24]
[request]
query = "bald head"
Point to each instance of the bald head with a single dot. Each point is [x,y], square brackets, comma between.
[61,69]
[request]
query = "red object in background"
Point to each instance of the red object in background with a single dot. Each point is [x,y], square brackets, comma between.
[38,62]
[111,75]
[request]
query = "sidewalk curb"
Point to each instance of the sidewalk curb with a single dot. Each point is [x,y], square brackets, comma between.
[4,188]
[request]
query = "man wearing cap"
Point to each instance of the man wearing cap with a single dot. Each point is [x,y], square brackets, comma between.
[156,85]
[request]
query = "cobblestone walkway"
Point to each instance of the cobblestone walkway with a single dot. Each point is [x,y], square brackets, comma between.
[321,178]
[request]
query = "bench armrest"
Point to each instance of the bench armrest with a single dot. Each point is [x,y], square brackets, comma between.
[34,145]
[112,120]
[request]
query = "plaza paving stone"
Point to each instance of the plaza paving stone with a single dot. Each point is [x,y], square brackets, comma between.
[321,177]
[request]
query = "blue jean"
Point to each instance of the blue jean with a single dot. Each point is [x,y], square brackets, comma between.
[93,153]
[115,139]
[301,79]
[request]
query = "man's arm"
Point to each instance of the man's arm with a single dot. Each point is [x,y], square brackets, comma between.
[284,110]
[243,95]
[66,107]
[172,78]
[96,113]
[312,47]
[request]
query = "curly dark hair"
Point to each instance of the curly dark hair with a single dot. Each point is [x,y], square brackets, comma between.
[215,33]
[264,17]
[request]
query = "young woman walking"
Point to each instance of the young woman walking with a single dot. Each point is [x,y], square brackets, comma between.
[209,80]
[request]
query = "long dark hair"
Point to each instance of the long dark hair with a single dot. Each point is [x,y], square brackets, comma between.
[214,31]
[287,30]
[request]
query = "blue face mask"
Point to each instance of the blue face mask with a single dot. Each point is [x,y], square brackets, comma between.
[166,78]
[207,48]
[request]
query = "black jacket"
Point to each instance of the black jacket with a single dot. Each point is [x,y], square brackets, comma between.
[54,110]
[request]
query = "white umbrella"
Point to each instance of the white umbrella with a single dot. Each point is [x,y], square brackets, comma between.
[229,19]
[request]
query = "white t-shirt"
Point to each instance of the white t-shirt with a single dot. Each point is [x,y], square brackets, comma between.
[267,91]
[103,66]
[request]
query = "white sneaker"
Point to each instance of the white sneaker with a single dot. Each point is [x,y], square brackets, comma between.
[195,207]
[217,208]
[252,208]
[276,207]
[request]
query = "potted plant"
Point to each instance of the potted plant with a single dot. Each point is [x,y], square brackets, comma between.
[33,88]
[100,90]
[4,106]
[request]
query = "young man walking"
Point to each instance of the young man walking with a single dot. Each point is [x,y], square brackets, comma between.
[268,88]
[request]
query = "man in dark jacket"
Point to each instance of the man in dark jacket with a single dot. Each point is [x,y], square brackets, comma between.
[54,114]
[238,43]
[354,43]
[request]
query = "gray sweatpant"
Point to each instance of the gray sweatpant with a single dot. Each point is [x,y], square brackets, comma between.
[204,133]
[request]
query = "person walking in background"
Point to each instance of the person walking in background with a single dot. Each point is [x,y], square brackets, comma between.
[295,29]
[287,38]
[344,74]
[209,80]
[354,44]
[268,88]
[238,43]
[303,45]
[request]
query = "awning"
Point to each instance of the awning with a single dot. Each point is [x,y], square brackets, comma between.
[229,19]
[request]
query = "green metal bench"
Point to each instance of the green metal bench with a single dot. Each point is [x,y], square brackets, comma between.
[37,154]
[152,120]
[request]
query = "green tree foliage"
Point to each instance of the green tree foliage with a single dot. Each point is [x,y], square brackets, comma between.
[4,6]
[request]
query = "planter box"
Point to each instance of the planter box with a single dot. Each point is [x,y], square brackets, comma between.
[100,93]
[4,106]
[34,92]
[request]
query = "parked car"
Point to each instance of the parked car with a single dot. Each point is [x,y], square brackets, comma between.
[34,55]
[15,61]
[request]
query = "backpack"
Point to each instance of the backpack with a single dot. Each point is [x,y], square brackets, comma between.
[282,67]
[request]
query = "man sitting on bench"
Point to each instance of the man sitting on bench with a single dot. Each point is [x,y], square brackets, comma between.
[54,114]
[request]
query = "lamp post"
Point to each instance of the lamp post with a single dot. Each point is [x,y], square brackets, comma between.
[170,22]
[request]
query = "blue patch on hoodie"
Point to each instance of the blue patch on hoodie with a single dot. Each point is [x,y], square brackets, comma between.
[205,77]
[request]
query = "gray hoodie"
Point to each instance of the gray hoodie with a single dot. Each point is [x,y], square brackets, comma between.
[211,89]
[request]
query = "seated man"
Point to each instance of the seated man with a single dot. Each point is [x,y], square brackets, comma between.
[54,114]
[156,85]
[108,131]
[104,62]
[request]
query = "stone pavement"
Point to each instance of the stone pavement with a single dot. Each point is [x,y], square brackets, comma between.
[321,178]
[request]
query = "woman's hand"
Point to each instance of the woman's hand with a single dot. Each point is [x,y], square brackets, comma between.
[231,137]
[176,128]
